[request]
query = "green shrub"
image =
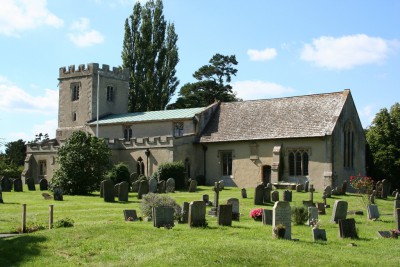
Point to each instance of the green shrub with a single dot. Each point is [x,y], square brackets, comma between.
[119,173]
[152,200]
[33,227]
[299,215]
[67,222]
[174,170]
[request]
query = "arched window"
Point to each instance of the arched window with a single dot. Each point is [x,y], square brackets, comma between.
[140,166]
[75,91]
[298,162]
[305,163]
[348,145]
[291,164]
[127,133]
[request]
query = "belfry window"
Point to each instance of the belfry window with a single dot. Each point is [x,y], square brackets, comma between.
[75,87]
[110,93]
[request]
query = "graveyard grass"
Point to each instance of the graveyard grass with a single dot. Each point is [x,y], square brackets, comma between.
[101,237]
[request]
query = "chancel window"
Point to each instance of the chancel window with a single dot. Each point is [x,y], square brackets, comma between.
[75,87]
[127,133]
[226,163]
[42,168]
[298,162]
[178,129]
[348,149]
[110,93]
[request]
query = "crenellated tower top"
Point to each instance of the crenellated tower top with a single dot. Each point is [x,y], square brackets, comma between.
[92,69]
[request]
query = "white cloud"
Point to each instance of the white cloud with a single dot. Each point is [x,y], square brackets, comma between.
[47,127]
[15,99]
[259,89]
[262,55]
[20,15]
[348,51]
[367,115]
[81,34]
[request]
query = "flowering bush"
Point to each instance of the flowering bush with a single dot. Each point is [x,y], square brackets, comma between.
[256,213]
[363,184]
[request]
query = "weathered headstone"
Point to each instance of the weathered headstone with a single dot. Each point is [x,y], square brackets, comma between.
[108,190]
[318,234]
[282,214]
[206,199]
[163,217]
[344,187]
[372,198]
[347,228]
[235,208]
[397,196]
[385,188]
[378,189]
[58,194]
[267,193]
[43,184]
[396,206]
[193,186]
[170,186]
[306,186]
[259,195]
[123,191]
[197,214]
[275,196]
[328,191]
[134,176]
[267,217]
[143,188]
[130,215]
[31,184]
[1,195]
[287,195]
[244,193]
[185,212]
[161,187]
[397,219]
[153,185]
[5,184]
[339,210]
[299,188]
[372,212]
[312,215]
[135,186]
[312,190]
[321,208]
[225,215]
[116,189]
[221,184]
[18,185]
[214,209]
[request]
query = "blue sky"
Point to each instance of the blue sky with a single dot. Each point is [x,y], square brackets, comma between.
[284,48]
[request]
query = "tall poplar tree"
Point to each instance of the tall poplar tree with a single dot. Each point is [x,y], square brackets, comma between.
[150,53]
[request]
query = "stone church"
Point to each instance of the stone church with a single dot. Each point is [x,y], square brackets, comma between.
[317,138]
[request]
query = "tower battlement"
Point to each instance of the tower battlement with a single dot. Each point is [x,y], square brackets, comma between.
[92,69]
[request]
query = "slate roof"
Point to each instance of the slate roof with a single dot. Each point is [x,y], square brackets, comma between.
[290,117]
[161,115]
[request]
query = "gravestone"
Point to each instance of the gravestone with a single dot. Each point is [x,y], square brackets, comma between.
[259,195]
[321,208]
[6,184]
[372,198]
[214,209]
[161,187]
[397,196]
[312,190]
[130,215]
[339,210]
[153,185]
[163,217]
[308,203]
[206,199]
[197,214]
[347,228]
[282,214]
[18,185]
[123,191]
[328,191]
[134,176]
[275,196]
[267,193]
[318,234]
[306,186]
[116,189]
[287,195]
[143,188]
[397,219]
[378,189]
[170,186]
[372,212]
[396,206]
[108,190]
[235,208]
[31,184]
[58,194]
[225,215]
[312,215]
[344,187]
[221,184]
[299,188]
[1,195]
[244,193]
[267,217]
[193,186]
[385,188]
[135,186]
[185,212]
[43,184]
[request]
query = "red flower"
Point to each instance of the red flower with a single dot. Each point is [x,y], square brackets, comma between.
[256,213]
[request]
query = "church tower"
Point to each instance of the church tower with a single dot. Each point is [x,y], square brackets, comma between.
[81,100]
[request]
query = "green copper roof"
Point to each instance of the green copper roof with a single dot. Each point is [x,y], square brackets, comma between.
[160,115]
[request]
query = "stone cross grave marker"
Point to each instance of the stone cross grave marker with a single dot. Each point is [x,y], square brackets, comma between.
[275,196]
[312,190]
[259,195]
[244,193]
[185,212]
[225,215]
[372,212]
[235,208]
[170,186]
[143,188]
[58,194]
[123,191]
[214,209]
[193,186]
[339,210]
[161,187]
[267,217]
[197,214]
[321,208]
[306,186]
[135,186]
[18,185]
[287,195]
[312,215]
[108,190]
[328,191]
[163,216]
[153,185]
[130,215]
[282,214]
[5,184]
[31,184]
[347,228]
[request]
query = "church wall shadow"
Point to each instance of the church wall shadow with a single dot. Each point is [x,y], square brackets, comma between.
[18,249]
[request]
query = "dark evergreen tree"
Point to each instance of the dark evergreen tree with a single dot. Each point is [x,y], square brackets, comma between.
[16,152]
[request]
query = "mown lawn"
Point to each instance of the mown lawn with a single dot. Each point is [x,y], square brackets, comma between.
[101,237]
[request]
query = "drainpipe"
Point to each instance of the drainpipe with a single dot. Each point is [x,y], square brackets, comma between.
[147,152]
[204,160]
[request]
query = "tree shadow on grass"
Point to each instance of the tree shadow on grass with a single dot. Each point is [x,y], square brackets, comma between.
[18,249]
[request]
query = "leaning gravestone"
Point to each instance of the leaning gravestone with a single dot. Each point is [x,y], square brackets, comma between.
[143,188]
[225,215]
[31,184]
[108,190]
[244,193]
[5,184]
[259,195]
[193,186]
[287,195]
[130,215]
[185,212]
[267,217]
[339,210]
[18,185]
[58,194]
[312,215]
[372,212]
[163,216]
[135,186]
[347,228]
[123,191]
[153,185]
[282,214]
[197,214]
[170,186]
[328,191]
[235,208]
[275,196]
[161,187]
[43,184]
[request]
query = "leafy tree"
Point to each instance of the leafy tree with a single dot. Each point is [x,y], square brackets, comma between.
[16,152]
[212,84]
[118,173]
[150,53]
[83,162]
[383,138]
[41,138]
